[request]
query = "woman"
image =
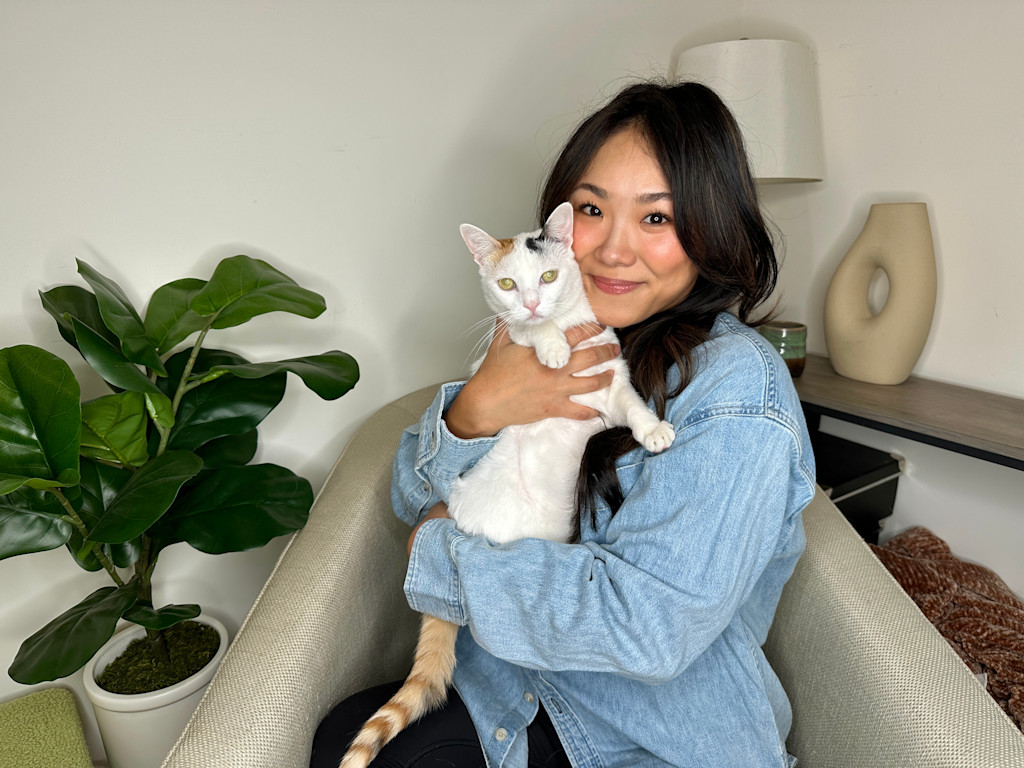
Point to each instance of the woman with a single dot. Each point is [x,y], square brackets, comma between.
[639,645]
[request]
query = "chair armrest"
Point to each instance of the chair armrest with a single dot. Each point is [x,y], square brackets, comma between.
[331,619]
[871,681]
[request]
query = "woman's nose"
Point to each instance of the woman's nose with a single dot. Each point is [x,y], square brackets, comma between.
[617,249]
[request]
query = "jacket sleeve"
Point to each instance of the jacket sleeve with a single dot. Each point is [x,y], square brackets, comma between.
[700,525]
[429,458]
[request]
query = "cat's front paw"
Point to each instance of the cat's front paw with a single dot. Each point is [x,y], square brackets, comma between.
[554,353]
[658,439]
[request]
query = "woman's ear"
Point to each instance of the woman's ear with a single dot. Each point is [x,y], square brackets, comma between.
[559,224]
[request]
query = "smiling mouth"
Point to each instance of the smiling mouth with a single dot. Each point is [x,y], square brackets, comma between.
[614,287]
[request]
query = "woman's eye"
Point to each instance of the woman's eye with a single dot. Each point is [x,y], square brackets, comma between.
[549,276]
[506,283]
[589,209]
[656,218]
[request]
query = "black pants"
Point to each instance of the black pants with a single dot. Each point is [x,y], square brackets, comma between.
[444,737]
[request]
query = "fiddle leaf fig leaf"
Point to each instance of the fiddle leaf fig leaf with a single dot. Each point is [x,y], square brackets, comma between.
[145,497]
[67,301]
[122,373]
[114,429]
[23,530]
[169,318]
[100,486]
[226,406]
[64,645]
[165,617]
[40,420]
[243,287]
[329,375]
[229,451]
[120,316]
[237,508]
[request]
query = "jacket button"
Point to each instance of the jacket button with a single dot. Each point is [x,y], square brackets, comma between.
[501,734]
[529,697]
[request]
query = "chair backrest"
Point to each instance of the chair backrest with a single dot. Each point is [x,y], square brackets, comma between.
[871,681]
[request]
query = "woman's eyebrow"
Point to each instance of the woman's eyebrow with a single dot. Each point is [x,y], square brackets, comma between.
[592,189]
[653,197]
[647,198]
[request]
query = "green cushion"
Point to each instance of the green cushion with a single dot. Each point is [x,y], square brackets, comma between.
[41,730]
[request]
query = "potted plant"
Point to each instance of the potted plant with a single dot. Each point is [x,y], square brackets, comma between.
[164,458]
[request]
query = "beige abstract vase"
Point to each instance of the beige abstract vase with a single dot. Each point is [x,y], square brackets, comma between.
[883,347]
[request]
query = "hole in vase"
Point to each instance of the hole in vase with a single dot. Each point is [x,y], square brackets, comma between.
[878,292]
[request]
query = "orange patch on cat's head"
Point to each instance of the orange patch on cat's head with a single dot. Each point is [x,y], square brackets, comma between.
[499,253]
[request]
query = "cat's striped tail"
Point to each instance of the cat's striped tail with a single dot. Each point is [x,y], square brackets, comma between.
[426,687]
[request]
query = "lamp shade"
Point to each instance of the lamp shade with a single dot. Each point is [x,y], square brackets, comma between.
[769,86]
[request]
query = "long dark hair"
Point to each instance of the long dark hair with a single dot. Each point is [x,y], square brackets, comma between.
[718,221]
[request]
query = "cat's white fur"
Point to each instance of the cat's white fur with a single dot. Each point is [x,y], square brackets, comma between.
[524,486]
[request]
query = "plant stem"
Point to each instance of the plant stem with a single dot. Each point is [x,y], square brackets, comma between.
[183,385]
[144,573]
[97,548]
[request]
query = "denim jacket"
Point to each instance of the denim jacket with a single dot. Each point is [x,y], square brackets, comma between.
[643,640]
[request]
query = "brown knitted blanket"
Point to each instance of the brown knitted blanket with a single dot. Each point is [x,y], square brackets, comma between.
[980,617]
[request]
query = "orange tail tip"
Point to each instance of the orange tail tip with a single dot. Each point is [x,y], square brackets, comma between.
[426,687]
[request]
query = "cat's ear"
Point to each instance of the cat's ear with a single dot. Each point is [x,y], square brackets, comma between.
[559,224]
[480,244]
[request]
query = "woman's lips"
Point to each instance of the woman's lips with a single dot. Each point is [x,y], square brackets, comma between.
[614,287]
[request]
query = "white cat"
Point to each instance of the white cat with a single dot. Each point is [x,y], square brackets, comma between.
[524,486]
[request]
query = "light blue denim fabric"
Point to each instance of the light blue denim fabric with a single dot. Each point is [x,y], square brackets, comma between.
[643,641]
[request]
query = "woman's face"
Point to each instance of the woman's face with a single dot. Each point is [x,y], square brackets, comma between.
[624,235]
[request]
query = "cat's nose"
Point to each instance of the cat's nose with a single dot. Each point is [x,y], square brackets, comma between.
[532,307]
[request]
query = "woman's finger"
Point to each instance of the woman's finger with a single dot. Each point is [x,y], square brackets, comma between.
[579,333]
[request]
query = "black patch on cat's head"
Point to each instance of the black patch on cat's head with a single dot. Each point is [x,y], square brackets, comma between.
[534,243]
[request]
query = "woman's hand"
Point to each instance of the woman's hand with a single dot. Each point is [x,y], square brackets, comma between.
[512,387]
[439,510]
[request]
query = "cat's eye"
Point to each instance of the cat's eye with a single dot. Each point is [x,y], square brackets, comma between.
[549,276]
[506,283]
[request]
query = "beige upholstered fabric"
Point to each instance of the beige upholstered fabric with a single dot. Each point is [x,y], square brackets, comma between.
[872,682]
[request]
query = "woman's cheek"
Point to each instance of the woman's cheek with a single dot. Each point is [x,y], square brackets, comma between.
[584,236]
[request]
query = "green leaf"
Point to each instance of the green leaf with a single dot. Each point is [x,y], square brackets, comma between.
[114,429]
[229,451]
[100,486]
[330,375]
[101,483]
[117,370]
[64,645]
[145,497]
[67,301]
[120,316]
[226,406]
[24,529]
[238,508]
[40,420]
[243,287]
[163,618]
[169,318]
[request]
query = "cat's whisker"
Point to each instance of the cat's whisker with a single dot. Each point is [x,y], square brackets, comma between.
[487,325]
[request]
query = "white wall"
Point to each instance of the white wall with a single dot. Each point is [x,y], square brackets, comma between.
[346,141]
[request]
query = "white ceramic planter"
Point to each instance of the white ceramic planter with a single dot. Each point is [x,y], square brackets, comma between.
[139,730]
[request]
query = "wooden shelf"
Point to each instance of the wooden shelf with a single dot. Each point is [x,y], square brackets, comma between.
[975,423]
